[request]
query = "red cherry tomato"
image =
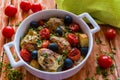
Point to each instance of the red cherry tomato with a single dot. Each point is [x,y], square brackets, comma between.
[72,39]
[44,33]
[25,55]
[74,54]
[45,44]
[8,32]
[36,7]
[74,27]
[25,6]
[110,34]
[105,61]
[10,10]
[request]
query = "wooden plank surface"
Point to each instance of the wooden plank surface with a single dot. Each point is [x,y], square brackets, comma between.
[88,72]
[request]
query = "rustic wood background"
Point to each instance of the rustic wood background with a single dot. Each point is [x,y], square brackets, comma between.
[88,72]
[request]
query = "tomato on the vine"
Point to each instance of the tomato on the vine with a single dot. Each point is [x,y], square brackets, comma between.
[104,61]
[8,32]
[110,34]
[25,55]
[25,6]
[72,39]
[74,27]
[10,10]
[36,7]
[44,33]
[74,54]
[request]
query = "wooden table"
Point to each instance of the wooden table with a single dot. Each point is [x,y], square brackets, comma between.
[90,71]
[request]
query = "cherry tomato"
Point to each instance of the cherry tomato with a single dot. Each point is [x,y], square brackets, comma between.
[25,55]
[25,6]
[45,44]
[104,61]
[8,32]
[72,39]
[36,7]
[10,10]
[74,27]
[110,34]
[44,33]
[74,54]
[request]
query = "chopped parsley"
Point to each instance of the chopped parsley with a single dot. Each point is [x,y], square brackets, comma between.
[59,59]
[13,75]
[101,71]
[98,41]
[18,24]
[10,73]
[1,65]
[45,55]
[92,78]
[39,42]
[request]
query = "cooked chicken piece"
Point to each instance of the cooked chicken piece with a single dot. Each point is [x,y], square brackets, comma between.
[53,23]
[30,40]
[63,45]
[29,46]
[49,60]
[31,37]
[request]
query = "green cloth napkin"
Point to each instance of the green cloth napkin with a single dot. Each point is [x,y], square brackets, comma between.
[104,11]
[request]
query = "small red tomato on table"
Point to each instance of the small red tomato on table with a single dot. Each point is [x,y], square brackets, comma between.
[36,7]
[10,10]
[8,32]
[25,6]
[110,34]
[105,61]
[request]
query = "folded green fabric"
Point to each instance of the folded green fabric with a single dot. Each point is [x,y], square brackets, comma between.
[104,11]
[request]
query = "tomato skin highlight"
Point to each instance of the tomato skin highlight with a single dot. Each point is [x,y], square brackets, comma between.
[36,7]
[44,33]
[72,39]
[10,10]
[25,6]
[104,61]
[25,55]
[74,54]
[110,34]
[8,32]
[74,27]
[45,44]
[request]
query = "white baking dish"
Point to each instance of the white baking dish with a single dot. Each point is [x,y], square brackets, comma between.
[44,15]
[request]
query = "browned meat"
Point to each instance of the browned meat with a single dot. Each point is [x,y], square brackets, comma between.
[53,23]
[63,45]
[29,46]
[49,60]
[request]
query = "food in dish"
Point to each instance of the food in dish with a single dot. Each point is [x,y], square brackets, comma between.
[55,44]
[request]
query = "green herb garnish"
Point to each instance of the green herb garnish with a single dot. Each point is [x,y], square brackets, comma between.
[45,55]
[98,41]
[39,42]
[13,75]
[59,59]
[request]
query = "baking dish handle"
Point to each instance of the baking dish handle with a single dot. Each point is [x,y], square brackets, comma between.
[96,27]
[10,56]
